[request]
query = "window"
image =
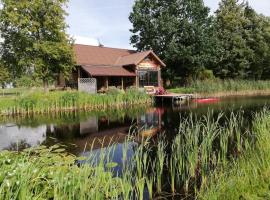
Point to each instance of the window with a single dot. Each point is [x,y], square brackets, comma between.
[148,78]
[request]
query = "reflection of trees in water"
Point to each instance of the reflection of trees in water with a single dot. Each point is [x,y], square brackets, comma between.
[18,146]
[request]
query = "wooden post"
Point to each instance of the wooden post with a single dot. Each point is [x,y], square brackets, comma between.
[137,79]
[107,83]
[122,79]
[159,78]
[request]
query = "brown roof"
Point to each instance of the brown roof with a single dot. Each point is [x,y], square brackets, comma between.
[136,58]
[104,61]
[94,55]
[108,71]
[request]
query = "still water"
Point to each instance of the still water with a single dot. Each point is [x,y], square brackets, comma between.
[78,130]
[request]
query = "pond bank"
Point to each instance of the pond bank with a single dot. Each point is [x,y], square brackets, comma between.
[225,88]
[57,102]
[234,94]
[248,177]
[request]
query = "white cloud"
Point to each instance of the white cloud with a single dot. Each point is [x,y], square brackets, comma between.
[86,40]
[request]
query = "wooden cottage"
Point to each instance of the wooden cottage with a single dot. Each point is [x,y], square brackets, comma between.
[114,67]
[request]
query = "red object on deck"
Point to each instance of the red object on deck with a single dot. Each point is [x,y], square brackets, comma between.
[208,100]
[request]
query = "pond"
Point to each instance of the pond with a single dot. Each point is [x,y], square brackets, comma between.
[95,134]
[76,130]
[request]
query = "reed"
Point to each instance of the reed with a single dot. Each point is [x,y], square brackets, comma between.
[248,176]
[57,102]
[227,87]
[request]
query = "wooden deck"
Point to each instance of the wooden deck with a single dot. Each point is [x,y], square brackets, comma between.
[173,97]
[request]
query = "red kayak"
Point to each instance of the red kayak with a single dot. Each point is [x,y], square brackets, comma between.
[208,100]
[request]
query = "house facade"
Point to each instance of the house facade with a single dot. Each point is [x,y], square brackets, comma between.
[115,67]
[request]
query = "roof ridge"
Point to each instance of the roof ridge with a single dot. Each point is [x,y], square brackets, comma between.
[124,49]
[100,65]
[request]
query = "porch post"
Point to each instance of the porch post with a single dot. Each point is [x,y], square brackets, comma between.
[122,79]
[159,77]
[107,82]
[137,79]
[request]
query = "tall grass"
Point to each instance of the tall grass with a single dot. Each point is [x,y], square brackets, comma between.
[56,102]
[217,86]
[202,147]
[248,177]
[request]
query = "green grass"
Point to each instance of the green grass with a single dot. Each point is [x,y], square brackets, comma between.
[42,173]
[191,165]
[249,176]
[216,86]
[40,102]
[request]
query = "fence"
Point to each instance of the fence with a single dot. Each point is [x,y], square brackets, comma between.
[88,85]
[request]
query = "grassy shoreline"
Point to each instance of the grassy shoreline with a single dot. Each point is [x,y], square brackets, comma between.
[247,177]
[225,88]
[57,102]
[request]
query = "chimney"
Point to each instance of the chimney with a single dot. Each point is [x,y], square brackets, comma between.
[100,44]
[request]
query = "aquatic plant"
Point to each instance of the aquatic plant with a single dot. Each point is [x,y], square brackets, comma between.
[57,102]
[224,87]
[204,147]
[248,176]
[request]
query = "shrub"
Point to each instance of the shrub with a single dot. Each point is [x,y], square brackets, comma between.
[28,82]
[114,91]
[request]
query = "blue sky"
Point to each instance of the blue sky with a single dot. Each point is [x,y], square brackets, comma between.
[107,20]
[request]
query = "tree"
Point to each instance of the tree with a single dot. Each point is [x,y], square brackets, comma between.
[35,39]
[244,37]
[179,31]
[4,76]
[231,24]
[257,35]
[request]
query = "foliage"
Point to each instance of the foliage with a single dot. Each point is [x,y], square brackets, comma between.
[226,86]
[4,76]
[27,82]
[35,39]
[233,43]
[54,102]
[49,173]
[180,32]
[248,177]
[114,90]
[244,37]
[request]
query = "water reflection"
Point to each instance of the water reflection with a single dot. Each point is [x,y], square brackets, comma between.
[14,137]
[79,130]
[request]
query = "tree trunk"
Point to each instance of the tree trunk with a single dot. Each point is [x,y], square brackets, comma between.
[46,85]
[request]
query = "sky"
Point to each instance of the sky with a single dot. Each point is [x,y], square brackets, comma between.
[106,21]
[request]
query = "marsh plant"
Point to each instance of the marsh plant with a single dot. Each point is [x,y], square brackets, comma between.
[57,102]
[226,86]
[203,147]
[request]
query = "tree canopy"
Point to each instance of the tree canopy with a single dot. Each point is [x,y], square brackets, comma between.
[4,76]
[35,38]
[233,43]
[180,32]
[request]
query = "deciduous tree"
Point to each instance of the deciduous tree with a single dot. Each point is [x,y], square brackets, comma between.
[35,38]
[179,31]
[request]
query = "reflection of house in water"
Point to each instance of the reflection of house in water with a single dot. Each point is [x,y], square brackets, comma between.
[89,126]
[100,132]
[103,131]
[150,123]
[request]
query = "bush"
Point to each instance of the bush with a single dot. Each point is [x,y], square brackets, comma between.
[114,91]
[206,75]
[28,82]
